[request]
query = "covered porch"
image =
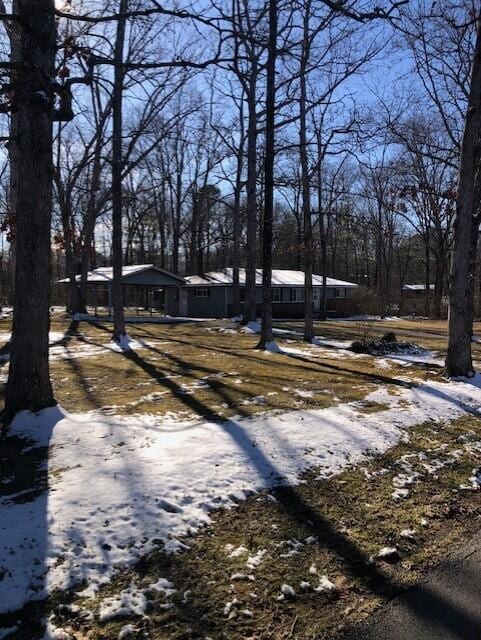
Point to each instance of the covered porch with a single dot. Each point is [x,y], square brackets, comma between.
[147,290]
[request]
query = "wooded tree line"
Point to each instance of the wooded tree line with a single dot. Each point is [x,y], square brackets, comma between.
[316,134]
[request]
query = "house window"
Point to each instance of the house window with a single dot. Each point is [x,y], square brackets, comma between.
[337,293]
[297,295]
[201,293]
[276,295]
[242,295]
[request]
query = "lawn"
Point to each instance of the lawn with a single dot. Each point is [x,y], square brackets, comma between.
[371,454]
[212,370]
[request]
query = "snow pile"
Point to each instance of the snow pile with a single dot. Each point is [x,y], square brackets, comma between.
[273,347]
[255,560]
[117,486]
[251,327]
[127,631]
[125,343]
[128,603]
[325,585]
[286,592]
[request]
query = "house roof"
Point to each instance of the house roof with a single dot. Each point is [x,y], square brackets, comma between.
[280,278]
[417,287]
[105,274]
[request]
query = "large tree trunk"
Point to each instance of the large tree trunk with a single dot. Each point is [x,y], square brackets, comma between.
[117,159]
[28,385]
[266,327]
[466,225]
[250,306]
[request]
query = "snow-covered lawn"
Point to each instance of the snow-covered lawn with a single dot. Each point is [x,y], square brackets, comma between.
[119,486]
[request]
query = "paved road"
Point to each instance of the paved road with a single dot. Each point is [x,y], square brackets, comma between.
[447,606]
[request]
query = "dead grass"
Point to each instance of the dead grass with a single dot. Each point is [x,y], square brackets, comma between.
[430,334]
[204,370]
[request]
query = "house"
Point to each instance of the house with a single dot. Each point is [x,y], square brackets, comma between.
[210,295]
[145,285]
[414,298]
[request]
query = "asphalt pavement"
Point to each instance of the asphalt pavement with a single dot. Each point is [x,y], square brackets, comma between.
[446,606]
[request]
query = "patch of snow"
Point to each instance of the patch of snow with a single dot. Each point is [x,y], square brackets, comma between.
[229,606]
[127,631]
[409,534]
[242,576]
[129,602]
[325,585]
[287,591]
[255,560]
[111,504]
[235,552]
[475,479]
[251,327]
[302,393]
[163,586]
[321,341]
[400,494]
[273,347]
[55,633]
[388,554]
[255,400]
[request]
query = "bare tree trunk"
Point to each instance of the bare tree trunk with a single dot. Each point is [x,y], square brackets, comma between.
[250,306]
[88,230]
[117,199]
[266,328]
[322,231]
[308,250]
[28,385]
[236,212]
[427,274]
[460,321]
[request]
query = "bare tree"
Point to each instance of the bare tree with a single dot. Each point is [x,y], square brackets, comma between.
[466,229]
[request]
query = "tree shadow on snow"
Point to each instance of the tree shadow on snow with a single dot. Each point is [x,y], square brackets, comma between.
[24,518]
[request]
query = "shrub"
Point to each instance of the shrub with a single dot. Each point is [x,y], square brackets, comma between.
[390,336]
[358,346]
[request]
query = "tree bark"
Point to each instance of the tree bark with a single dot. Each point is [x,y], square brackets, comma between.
[28,385]
[266,327]
[308,250]
[236,212]
[250,306]
[117,159]
[460,320]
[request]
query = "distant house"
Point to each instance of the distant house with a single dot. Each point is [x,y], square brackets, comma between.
[210,295]
[414,298]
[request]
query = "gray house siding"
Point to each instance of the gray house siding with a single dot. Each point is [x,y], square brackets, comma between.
[171,301]
[213,306]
